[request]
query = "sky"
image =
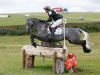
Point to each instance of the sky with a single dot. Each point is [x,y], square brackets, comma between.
[19,6]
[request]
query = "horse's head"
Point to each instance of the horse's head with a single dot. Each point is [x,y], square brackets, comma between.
[28,26]
[30,22]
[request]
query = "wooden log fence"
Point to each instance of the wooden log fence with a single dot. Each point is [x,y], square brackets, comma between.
[29,52]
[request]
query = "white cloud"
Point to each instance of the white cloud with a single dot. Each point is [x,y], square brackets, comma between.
[37,5]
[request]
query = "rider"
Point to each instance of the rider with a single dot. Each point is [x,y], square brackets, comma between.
[53,15]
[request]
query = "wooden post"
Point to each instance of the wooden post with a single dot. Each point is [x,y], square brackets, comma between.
[29,61]
[54,62]
[33,59]
[58,64]
[23,58]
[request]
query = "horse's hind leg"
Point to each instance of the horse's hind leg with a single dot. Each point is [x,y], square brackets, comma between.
[83,43]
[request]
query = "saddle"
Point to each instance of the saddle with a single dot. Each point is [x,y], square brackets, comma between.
[59,26]
[58,29]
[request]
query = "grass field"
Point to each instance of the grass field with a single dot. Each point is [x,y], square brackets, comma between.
[11,54]
[11,57]
[19,19]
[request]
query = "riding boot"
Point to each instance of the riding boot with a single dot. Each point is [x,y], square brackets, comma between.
[52,32]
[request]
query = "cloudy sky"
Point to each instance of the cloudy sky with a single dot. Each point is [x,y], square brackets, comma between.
[17,6]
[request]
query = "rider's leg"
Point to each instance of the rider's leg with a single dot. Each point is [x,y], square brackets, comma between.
[55,24]
[52,32]
[32,40]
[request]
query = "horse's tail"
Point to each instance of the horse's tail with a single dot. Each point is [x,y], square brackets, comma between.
[86,35]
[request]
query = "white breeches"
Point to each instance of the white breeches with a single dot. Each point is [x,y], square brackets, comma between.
[56,23]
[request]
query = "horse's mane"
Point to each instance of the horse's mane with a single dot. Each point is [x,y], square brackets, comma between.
[38,20]
[34,19]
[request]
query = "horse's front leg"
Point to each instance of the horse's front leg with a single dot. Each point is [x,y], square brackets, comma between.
[32,40]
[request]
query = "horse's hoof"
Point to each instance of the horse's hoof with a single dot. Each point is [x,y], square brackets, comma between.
[34,44]
[88,51]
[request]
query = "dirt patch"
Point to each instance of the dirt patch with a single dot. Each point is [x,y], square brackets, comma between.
[76,70]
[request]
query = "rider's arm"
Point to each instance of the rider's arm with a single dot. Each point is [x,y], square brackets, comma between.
[50,16]
[48,20]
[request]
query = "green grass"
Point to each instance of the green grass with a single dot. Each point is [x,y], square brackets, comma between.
[19,19]
[11,54]
[88,17]
[14,19]
[11,57]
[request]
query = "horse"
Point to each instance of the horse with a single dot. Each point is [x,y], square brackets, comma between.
[71,34]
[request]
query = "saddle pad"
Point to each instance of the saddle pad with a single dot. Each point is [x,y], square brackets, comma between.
[57,31]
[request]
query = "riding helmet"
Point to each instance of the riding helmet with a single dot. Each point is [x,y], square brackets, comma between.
[47,8]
